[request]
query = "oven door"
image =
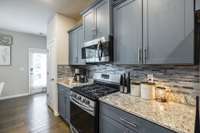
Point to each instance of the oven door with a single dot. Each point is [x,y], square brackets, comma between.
[81,119]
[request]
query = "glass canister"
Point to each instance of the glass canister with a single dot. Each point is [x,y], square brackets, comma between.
[161,94]
[135,88]
[148,90]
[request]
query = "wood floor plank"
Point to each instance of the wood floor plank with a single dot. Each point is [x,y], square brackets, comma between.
[29,114]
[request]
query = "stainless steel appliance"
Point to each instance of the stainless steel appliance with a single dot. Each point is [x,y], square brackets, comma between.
[84,105]
[98,51]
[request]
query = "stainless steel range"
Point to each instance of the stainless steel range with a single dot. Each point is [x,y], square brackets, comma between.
[84,105]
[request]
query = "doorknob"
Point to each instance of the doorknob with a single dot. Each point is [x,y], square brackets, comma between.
[52,79]
[31,69]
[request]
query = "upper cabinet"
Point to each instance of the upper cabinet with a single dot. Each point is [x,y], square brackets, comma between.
[154,31]
[168,32]
[128,32]
[97,20]
[103,19]
[75,46]
[197,4]
[89,25]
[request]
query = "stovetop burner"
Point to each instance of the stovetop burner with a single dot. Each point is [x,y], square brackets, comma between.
[95,91]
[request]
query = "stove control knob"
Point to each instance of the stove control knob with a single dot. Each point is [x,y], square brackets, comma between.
[87,102]
[79,97]
[84,100]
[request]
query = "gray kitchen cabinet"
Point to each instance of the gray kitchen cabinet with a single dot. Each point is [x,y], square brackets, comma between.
[89,25]
[197,4]
[107,125]
[168,32]
[80,45]
[75,46]
[67,105]
[128,32]
[153,32]
[103,19]
[97,20]
[114,120]
[64,102]
[61,99]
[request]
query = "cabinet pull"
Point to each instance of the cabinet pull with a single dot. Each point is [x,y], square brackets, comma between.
[145,55]
[129,123]
[139,55]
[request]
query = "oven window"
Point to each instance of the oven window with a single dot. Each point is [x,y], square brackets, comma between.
[81,120]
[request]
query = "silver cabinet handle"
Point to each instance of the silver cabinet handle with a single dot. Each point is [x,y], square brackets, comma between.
[139,55]
[145,55]
[129,123]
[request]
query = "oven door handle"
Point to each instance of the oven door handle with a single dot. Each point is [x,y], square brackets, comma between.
[90,111]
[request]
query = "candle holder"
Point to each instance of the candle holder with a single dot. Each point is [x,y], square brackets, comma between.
[161,94]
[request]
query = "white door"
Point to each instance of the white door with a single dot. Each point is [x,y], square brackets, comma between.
[37,70]
[52,77]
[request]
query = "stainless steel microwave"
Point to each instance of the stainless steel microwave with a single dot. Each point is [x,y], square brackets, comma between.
[98,51]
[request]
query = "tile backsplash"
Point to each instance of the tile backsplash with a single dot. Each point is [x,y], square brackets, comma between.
[64,71]
[182,81]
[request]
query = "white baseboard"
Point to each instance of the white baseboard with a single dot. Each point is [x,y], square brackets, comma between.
[54,112]
[14,96]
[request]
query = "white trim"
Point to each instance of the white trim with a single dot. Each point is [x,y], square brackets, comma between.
[54,112]
[14,96]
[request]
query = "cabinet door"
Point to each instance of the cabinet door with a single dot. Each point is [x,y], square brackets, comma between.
[107,125]
[67,105]
[165,40]
[197,4]
[128,32]
[89,25]
[73,41]
[103,19]
[149,127]
[80,45]
[61,99]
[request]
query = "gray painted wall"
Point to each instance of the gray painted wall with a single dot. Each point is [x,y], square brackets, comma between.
[15,76]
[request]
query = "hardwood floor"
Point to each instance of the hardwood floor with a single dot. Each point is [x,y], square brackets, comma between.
[29,115]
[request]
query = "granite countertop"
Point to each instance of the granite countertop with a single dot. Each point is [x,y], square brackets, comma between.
[70,84]
[177,117]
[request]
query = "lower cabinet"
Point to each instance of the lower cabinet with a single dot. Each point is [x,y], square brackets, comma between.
[67,106]
[108,125]
[113,120]
[64,102]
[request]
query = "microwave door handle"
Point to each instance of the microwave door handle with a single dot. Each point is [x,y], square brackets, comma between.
[98,49]
[101,46]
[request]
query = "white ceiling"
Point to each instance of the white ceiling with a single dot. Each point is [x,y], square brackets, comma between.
[31,16]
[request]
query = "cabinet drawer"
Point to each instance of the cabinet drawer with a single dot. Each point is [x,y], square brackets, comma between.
[129,121]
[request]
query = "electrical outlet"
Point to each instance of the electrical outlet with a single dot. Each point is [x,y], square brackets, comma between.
[150,78]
